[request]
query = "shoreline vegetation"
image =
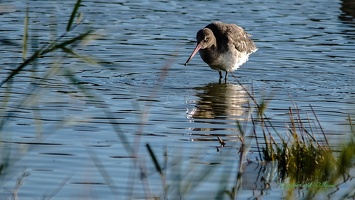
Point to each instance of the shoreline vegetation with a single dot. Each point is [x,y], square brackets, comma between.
[304,157]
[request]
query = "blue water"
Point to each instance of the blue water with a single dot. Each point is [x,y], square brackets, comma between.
[66,142]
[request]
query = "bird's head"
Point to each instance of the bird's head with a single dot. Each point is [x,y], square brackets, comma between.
[205,39]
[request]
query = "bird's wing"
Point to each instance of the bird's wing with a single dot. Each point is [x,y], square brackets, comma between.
[240,39]
[218,29]
[231,34]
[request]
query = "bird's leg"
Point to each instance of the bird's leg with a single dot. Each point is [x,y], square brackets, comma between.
[225,77]
[220,76]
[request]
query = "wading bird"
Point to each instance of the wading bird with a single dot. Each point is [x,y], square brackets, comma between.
[224,47]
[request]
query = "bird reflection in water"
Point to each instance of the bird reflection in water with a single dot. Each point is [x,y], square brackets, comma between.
[217,109]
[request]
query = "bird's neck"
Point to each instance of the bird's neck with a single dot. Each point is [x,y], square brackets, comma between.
[209,55]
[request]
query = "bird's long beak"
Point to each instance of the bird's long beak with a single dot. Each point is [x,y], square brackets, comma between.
[197,48]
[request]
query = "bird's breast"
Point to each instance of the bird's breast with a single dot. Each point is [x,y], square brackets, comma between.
[226,61]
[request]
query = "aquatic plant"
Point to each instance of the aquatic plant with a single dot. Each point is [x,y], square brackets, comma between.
[304,157]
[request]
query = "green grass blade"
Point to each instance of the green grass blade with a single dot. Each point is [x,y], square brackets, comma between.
[75,10]
[66,43]
[25,34]
[103,172]
[84,58]
[45,49]
[320,126]
[154,158]
[19,68]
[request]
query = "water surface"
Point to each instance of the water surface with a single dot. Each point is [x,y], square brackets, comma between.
[305,56]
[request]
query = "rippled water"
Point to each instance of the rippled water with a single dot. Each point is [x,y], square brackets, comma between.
[306,55]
